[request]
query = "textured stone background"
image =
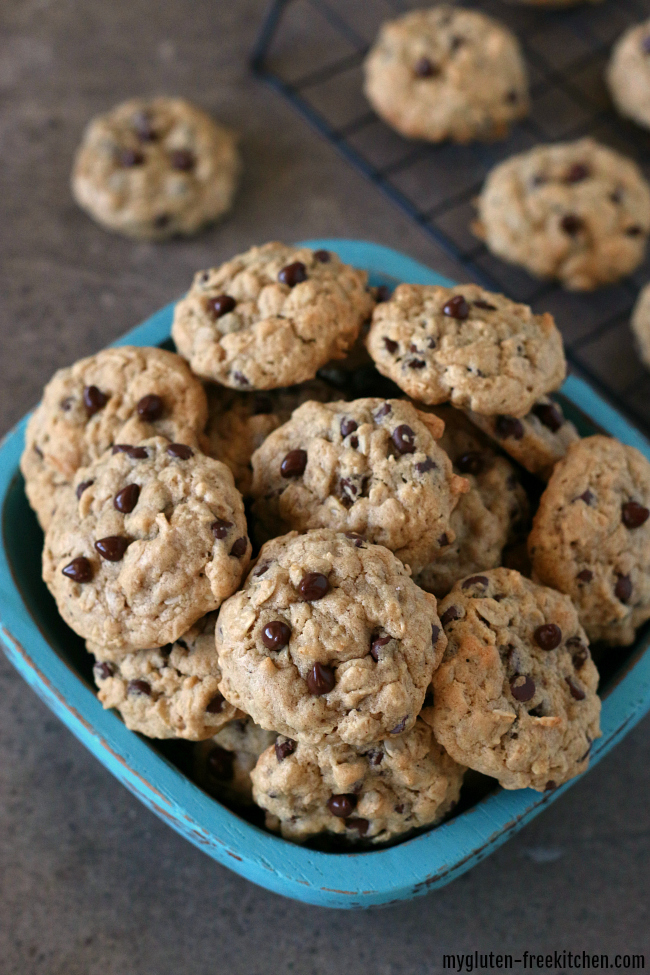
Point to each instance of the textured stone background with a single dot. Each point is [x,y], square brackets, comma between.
[91,883]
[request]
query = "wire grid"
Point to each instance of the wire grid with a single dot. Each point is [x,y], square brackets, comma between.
[312,52]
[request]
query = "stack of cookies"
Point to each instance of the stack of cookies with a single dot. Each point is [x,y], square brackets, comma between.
[324,681]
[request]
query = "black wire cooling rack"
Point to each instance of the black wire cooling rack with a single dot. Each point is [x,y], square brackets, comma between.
[311,51]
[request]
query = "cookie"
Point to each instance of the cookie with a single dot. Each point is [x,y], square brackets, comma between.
[640,323]
[155,168]
[152,538]
[223,765]
[169,692]
[591,537]
[447,73]
[239,423]
[537,441]
[329,640]
[375,793]
[371,466]
[628,74]
[552,3]
[490,515]
[271,317]
[466,345]
[576,212]
[120,395]
[515,694]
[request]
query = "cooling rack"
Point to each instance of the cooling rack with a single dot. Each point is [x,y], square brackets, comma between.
[311,51]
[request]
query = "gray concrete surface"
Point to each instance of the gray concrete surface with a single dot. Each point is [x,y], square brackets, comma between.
[91,883]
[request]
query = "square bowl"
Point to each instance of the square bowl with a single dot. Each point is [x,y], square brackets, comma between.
[52,660]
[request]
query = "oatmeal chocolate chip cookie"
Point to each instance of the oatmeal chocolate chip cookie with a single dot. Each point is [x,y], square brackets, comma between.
[239,423]
[515,694]
[329,640]
[121,395]
[374,793]
[591,537]
[168,692]
[151,169]
[577,212]
[537,441]
[478,349]
[223,765]
[491,514]
[271,317]
[628,74]
[641,324]
[371,466]
[447,73]
[152,538]
[552,3]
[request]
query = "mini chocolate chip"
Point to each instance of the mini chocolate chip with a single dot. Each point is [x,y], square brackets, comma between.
[262,405]
[261,568]
[67,403]
[481,581]
[431,343]
[383,411]
[284,747]
[276,635]
[113,547]
[377,643]
[577,172]
[634,514]
[550,785]
[131,157]
[623,588]
[182,159]
[135,453]
[577,692]
[356,822]
[313,586]
[426,465]
[354,442]
[548,636]
[456,307]
[571,224]
[357,539]
[143,127]
[424,68]
[548,415]
[509,426]
[416,363]
[322,256]
[634,231]
[435,633]
[484,304]
[180,450]
[443,540]
[348,426]
[240,378]
[138,687]
[320,680]
[126,499]
[293,274]
[342,806]
[82,487]
[346,488]
[94,399]
[221,305]
[580,657]
[216,704]
[449,615]
[150,407]
[391,346]
[585,575]
[587,496]
[220,527]
[375,756]
[239,547]
[220,763]
[294,463]
[522,688]
[103,670]
[404,439]
[399,728]
[470,463]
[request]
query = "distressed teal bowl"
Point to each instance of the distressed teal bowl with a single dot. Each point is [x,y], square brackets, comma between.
[49,657]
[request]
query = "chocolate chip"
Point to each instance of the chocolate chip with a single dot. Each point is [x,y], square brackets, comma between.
[634,514]
[375,756]
[103,670]
[239,547]
[577,692]
[320,680]
[435,633]
[456,307]
[143,127]
[221,305]
[216,704]
[284,747]
[416,363]
[623,588]
[348,426]
[424,68]
[345,489]
[399,728]
[113,547]
[404,439]
[443,540]
[571,224]
[220,763]
[94,399]
[138,687]
[135,453]
[634,231]
[357,539]
[391,346]
[220,527]
[548,415]
[262,405]
[587,496]
[131,157]
[577,172]
[481,581]
[182,159]
[585,575]
[126,499]
[548,636]
[522,688]
[240,378]
[294,463]
[82,487]
[550,785]
[150,407]
[484,304]
[470,463]
[449,615]
[261,568]
[580,657]
[356,822]
[276,635]
[79,570]
[180,451]
[342,806]
[509,426]
[426,465]
[383,411]
[322,256]
[354,442]
[377,643]
[293,274]
[313,586]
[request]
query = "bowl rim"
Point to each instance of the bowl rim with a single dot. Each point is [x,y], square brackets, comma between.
[343,880]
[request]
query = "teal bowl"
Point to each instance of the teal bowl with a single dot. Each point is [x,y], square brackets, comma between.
[51,659]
